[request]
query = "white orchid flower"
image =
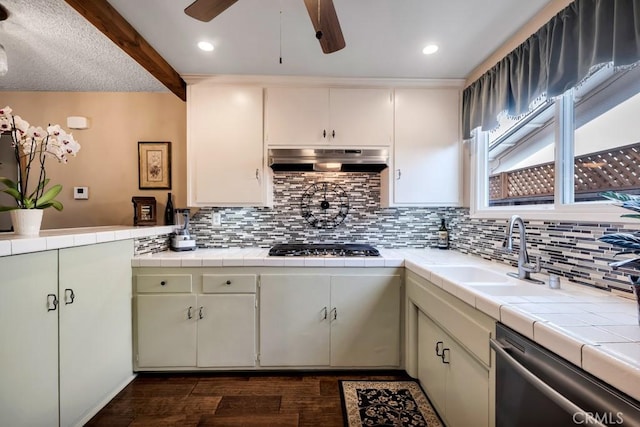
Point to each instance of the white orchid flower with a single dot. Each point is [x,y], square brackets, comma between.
[54,130]
[21,125]
[33,143]
[5,124]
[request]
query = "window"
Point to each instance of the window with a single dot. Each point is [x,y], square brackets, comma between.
[565,151]
[606,149]
[521,159]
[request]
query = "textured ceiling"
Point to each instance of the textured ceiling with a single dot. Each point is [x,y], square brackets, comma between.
[51,47]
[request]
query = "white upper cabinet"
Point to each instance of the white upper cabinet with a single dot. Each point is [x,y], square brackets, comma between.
[426,167]
[224,146]
[328,116]
[296,116]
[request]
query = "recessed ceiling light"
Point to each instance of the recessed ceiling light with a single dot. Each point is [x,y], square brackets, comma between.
[430,49]
[206,46]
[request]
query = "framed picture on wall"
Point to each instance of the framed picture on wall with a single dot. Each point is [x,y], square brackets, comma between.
[154,165]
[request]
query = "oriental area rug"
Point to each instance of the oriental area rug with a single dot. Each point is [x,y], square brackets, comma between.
[386,403]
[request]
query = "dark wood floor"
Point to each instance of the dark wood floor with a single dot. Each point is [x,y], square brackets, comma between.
[248,400]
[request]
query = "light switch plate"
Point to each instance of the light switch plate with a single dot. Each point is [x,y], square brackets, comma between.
[81,193]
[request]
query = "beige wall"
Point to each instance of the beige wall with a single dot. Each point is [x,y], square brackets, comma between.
[108,160]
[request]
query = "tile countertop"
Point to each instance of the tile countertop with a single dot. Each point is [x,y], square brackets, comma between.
[593,329]
[12,244]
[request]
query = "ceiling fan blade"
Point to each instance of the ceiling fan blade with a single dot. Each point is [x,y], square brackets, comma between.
[325,22]
[206,10]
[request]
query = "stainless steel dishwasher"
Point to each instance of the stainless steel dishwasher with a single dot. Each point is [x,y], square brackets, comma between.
[535,387]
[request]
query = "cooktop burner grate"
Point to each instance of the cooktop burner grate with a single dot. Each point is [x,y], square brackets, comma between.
[323,249]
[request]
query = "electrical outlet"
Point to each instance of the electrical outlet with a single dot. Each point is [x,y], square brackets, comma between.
[216,219]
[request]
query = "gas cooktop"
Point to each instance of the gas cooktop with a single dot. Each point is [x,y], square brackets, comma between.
[323,249]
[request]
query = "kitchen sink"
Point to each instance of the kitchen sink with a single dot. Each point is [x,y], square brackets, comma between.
[471,275]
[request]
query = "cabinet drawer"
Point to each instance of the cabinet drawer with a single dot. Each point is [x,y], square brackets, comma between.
[158,283]
[228,283]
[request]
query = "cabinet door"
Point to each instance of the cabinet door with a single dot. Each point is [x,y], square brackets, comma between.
[224,146]
[166,330]
[227,330]
[95,326]
[467,401]
[29,333]
[361,117]
[365,320]
[432,371]
[427,147]
[296,116]
[294,324]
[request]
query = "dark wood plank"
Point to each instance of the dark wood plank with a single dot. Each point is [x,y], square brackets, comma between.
[106,19]
[246,405]
[256,388]
[276,420]
[256,399]
[323,411]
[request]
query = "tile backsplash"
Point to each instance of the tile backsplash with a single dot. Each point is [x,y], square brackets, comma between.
[568,249]
[366,222]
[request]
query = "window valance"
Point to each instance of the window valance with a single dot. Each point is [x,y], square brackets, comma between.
[554,59]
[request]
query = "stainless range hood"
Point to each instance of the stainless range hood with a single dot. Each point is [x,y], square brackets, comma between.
[329,159]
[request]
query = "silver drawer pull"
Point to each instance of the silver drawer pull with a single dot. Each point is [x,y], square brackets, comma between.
[52,302]
[189,316]
[69,296]
[200,314]
[438,349]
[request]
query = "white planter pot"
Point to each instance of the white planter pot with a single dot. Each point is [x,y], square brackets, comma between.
[26,222]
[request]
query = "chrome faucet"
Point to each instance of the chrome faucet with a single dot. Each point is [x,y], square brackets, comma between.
[525,266]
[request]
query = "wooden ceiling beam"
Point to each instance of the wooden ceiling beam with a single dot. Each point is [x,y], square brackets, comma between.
[106,19]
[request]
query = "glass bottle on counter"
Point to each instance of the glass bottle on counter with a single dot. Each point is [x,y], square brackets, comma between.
[443,236]
[168,211]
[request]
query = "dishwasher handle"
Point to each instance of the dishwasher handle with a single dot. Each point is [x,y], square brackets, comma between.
[545,389]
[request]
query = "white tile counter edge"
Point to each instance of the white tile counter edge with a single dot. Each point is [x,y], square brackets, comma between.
[523,313]
[258,257]
[12,244]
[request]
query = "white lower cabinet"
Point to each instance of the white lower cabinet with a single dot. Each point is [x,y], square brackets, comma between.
[447,349]
[206,318]
[456,383]
[95,327]
[191,318]
[65,319]
[330,320]
[166,330]
[294,320]
[29,332]
[227,337]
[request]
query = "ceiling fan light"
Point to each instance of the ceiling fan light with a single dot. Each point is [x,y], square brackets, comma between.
[4,66]
[206,46]
[430,49]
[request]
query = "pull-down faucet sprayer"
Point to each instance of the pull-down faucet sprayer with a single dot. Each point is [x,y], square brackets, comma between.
[525,267]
